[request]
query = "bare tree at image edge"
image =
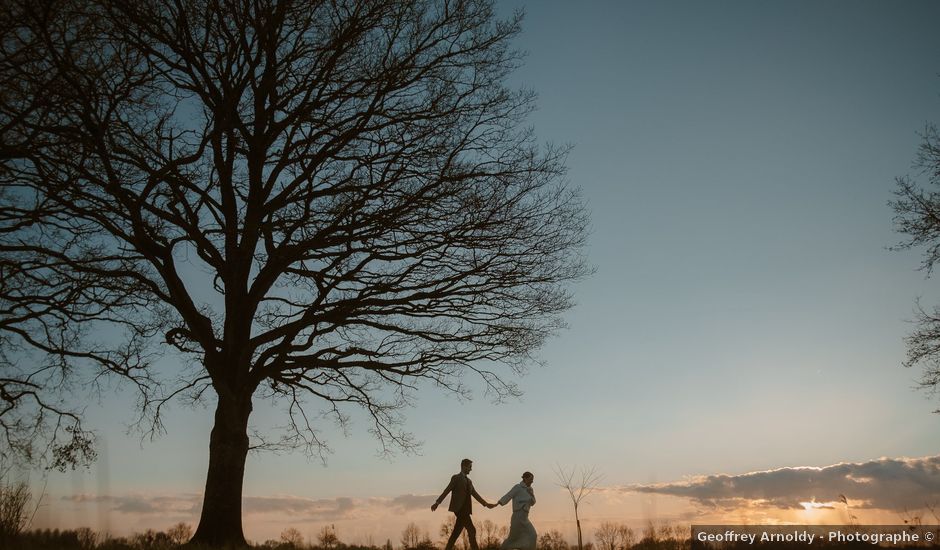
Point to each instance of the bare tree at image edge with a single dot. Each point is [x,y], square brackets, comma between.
[917,215]
[326,205]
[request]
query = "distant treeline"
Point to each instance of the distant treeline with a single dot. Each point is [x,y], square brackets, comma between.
[664,538]
[797,545]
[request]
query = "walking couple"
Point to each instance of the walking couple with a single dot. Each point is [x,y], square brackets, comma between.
[522,534]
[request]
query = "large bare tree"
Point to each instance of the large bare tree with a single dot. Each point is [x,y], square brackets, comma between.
[322,203]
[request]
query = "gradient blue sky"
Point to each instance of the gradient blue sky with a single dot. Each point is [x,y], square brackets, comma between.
[746,315]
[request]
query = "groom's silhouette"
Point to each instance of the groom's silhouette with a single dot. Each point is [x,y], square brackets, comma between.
[461,489]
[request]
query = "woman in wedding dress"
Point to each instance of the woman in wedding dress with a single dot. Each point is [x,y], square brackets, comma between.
[522,535]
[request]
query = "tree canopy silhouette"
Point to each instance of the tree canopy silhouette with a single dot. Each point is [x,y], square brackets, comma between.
[917,215]
[325,204]
[36,423]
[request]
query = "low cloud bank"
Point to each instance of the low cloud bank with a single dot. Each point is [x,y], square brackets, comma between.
[331,509]
[895,484]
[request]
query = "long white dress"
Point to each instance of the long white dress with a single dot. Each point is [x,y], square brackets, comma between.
[522,535]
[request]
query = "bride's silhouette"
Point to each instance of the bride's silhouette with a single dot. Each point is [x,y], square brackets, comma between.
[522,535]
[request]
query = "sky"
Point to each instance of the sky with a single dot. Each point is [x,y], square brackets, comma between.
[737,355]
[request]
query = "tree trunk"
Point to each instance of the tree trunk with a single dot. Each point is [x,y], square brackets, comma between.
[578,522]
[221,521]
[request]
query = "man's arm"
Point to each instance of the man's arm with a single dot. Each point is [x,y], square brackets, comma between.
[449,488]
[476,495]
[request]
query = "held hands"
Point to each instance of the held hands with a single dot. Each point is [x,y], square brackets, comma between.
[490,505]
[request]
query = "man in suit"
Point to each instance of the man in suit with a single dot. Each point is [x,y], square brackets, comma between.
[461,489]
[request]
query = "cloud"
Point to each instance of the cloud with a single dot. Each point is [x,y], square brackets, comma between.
[290,506]
[336,508]
[143,504]
[318,509]
[895,484]
[404,503]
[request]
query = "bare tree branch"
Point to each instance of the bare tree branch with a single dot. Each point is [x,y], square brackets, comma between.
[917,215]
